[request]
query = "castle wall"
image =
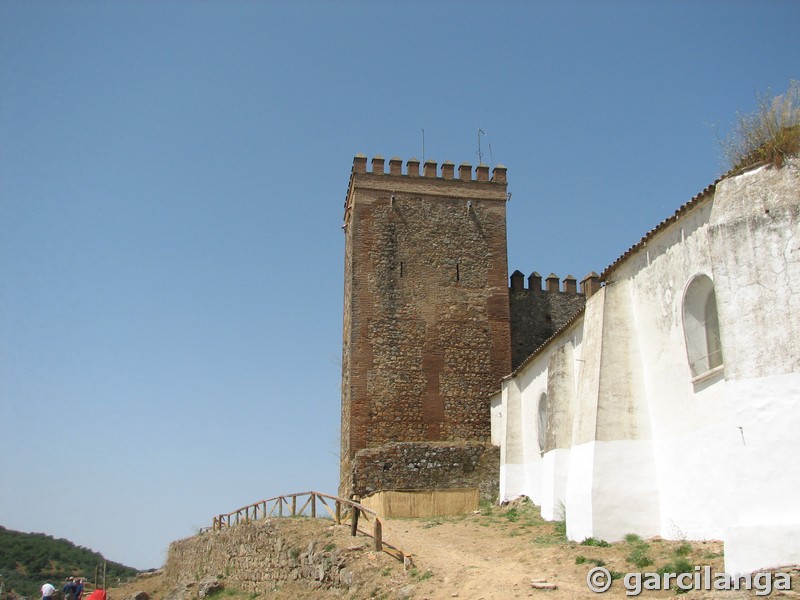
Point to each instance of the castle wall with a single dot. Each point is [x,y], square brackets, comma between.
[427,465]
[536,313]
[426,323]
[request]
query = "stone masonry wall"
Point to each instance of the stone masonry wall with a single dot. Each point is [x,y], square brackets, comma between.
[258,557]
[419,465]
[536,314]
[426,323]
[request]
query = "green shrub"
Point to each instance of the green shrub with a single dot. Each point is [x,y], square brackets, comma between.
[561,528]
[681,565]
[580,559]
[512,515]
[640,551]
[639,556]
[683,549]
[590,541]
[420,576]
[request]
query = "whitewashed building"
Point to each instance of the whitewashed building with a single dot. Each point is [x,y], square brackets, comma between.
[671,405]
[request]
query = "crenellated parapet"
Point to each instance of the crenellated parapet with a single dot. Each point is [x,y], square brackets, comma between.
[430,169]
[542,307]
[553,285]
[431,180]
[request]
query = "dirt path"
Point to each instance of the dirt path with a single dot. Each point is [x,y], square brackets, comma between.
[498,555]
[452,563]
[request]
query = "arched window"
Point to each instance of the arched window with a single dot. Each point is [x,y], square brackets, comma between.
[542,422]
[701,326]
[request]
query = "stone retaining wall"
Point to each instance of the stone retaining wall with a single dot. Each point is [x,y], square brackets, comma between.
[260,557]
[428,465]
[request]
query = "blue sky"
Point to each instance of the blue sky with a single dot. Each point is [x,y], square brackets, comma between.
[172,179]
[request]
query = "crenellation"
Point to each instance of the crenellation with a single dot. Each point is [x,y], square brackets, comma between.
[465,172]
[552,283]
[448,170]
[377,165]
[590,284]
[429,168]
[482,172]
[412,167]
[517,281]
[570,285]
[395,166]
[360,163]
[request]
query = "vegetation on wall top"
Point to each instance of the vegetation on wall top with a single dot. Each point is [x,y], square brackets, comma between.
[769,135]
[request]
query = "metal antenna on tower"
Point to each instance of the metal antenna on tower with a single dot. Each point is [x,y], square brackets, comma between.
[480,154]
[423,146]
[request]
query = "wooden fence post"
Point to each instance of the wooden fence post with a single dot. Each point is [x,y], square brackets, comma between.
[354,520]
[377,534]
[294,505]
[313,506]
[338,513]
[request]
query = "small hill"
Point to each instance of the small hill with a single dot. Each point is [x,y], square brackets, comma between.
[27,560]
[498,553]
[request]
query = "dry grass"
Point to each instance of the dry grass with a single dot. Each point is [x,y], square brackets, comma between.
[769,135]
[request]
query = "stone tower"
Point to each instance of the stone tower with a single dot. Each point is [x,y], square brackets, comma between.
[426,322]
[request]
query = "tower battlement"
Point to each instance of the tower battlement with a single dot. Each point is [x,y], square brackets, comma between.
[471,187]
[429,169]
[589,284]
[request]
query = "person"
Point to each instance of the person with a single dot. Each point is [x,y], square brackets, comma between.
[69,589]
[78,589]
[47,591]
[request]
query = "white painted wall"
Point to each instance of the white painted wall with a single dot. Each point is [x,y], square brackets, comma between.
[498,418]
[688,421]
[555,468]
[755,249]
[654,450]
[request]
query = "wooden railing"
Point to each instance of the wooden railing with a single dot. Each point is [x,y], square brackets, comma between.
[342,512]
